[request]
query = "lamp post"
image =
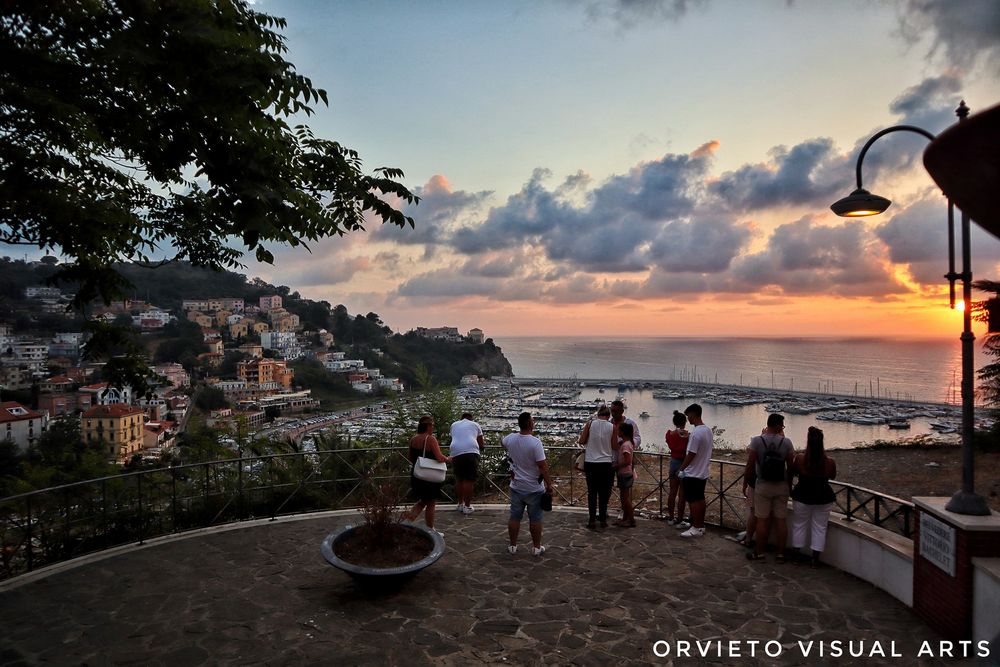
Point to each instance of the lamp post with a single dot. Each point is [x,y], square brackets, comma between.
[863,203]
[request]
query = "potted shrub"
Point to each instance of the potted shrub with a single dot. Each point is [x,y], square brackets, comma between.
[382,549]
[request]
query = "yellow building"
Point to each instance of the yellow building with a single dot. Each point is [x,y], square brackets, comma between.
[239,329]
[120,426]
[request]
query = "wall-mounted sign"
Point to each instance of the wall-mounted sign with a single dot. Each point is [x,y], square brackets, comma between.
[937,543]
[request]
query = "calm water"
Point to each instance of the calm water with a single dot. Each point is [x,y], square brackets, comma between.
[920,370]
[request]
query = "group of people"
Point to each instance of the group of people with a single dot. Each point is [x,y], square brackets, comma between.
[529,474]
[609,441]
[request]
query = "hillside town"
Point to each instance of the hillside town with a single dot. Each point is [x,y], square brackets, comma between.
[259,387]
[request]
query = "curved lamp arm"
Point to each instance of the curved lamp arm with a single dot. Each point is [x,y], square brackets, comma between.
[882,133]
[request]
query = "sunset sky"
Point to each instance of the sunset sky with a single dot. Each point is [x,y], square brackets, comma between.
[642,167]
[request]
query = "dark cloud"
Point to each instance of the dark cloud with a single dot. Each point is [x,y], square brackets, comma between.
[809,172]
[609,231]
[966,33]
[929,105]
[703,245]
[440,208]
[803,257]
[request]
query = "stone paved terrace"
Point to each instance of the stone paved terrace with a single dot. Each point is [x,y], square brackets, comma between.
[263,595]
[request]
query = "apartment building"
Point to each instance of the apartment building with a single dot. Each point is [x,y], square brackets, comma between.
[119,426]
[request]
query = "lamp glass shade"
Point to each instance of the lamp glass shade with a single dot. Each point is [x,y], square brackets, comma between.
[860,203]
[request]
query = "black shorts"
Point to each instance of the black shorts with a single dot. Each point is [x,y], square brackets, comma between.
[694,489]
[466,466]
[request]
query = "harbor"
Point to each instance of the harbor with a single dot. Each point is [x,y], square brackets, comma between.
[561,407]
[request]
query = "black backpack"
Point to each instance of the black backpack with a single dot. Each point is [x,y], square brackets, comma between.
[772,464]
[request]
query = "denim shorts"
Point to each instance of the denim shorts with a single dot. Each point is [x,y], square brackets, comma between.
[533,501]
[675,465]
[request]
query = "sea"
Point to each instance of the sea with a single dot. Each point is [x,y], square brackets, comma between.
[894,369]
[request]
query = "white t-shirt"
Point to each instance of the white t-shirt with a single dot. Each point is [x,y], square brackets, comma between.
[464,434]
[524,451]
[699,443]
[599,442]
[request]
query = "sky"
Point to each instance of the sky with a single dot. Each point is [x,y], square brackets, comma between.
[644,167]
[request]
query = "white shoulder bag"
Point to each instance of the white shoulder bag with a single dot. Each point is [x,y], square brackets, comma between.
[429,470]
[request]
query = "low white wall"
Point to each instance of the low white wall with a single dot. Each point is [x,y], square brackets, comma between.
[880,557]
[986,600]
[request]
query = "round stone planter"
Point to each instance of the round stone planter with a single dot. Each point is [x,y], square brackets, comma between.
[382,575]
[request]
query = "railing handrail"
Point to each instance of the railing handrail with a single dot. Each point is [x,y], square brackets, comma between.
[260,457]
[62,522]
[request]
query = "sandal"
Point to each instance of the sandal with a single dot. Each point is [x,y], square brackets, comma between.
[779,559]
[752,556]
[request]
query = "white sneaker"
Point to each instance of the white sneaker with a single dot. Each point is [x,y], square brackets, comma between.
[512,548]
[468,509]
[682,525]
[460,508]
[539,551]
[693,532]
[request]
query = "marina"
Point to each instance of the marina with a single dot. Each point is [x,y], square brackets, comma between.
[562,407]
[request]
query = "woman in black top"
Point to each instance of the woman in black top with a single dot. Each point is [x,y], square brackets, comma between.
[812,497]
[425,444]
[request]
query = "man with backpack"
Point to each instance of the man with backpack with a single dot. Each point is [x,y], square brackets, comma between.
[770,459]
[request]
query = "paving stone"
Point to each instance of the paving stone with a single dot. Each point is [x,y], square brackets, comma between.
[261,595]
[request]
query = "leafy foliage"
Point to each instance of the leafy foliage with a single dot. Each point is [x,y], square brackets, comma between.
[989,374]
[150,130]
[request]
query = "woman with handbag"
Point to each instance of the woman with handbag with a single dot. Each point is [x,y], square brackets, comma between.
[426,480]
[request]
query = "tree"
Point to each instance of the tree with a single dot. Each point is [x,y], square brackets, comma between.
[156,131]
[989,374]
[210,398]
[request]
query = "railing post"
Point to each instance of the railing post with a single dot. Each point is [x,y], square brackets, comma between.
[906,522]
[721,493]
[173,496]
[850,512]
[206,488]
[138,483]
[104,512]
[65,544]
[660,485]
[31,551]
[239,489]
[572,477]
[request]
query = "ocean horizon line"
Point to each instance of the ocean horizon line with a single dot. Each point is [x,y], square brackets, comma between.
[829,338]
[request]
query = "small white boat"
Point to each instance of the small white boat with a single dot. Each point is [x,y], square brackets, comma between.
[643,415]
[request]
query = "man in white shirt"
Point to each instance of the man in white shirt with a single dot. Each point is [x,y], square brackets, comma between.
[694,471]
[466,445]
[528,471]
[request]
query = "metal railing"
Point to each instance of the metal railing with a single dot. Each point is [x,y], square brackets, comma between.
[52,525]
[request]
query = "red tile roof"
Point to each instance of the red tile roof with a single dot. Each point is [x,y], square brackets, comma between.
[113,410]
[9,408]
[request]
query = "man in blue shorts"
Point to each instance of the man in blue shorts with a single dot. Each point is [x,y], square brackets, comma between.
[528,471]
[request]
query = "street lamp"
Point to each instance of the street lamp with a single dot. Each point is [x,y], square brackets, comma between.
[863,203]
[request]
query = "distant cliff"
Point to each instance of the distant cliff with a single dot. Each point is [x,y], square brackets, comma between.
[446,362]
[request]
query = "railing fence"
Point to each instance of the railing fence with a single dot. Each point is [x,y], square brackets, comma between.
[57,524]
